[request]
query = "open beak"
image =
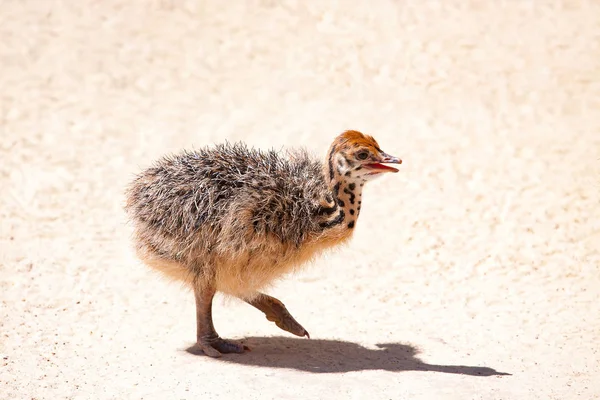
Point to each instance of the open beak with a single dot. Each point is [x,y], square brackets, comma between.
[387,159]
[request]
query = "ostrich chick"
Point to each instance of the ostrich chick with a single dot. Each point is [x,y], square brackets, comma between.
[231,219]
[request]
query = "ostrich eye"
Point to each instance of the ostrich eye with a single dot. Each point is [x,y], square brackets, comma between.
[362,155]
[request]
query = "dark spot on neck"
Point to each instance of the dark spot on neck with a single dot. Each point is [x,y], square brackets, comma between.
[338,220]
[341,203]
[326,210]
[351,224]
[352,212]
[330,198]
[351,186]
[348,173]
[336,189]
[331,162]
[352,196]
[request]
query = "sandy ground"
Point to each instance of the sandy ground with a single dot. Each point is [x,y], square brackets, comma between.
[473,274]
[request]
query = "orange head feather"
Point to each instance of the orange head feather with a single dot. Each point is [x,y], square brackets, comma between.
[355,139]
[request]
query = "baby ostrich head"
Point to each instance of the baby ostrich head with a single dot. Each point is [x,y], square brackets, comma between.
[354,156]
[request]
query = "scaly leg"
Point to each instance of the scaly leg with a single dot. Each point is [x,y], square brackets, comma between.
[275,311]
[207,338]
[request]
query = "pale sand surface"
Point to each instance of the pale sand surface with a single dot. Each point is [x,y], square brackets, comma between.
[481,258]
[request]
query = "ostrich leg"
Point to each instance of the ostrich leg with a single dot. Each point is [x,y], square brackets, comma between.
[275,311]
[207,338]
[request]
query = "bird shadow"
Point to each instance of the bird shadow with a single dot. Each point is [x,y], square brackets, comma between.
[334,356]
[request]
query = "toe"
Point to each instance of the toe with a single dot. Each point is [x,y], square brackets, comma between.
[290,325]
[227,346]
[210,350]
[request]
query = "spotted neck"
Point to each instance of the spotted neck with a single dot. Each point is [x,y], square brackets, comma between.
[341,208]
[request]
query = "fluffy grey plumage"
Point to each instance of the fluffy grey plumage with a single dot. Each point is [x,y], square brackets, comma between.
[228,189]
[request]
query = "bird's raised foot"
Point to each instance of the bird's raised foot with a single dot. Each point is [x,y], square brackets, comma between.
[275,311]
[216,347]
